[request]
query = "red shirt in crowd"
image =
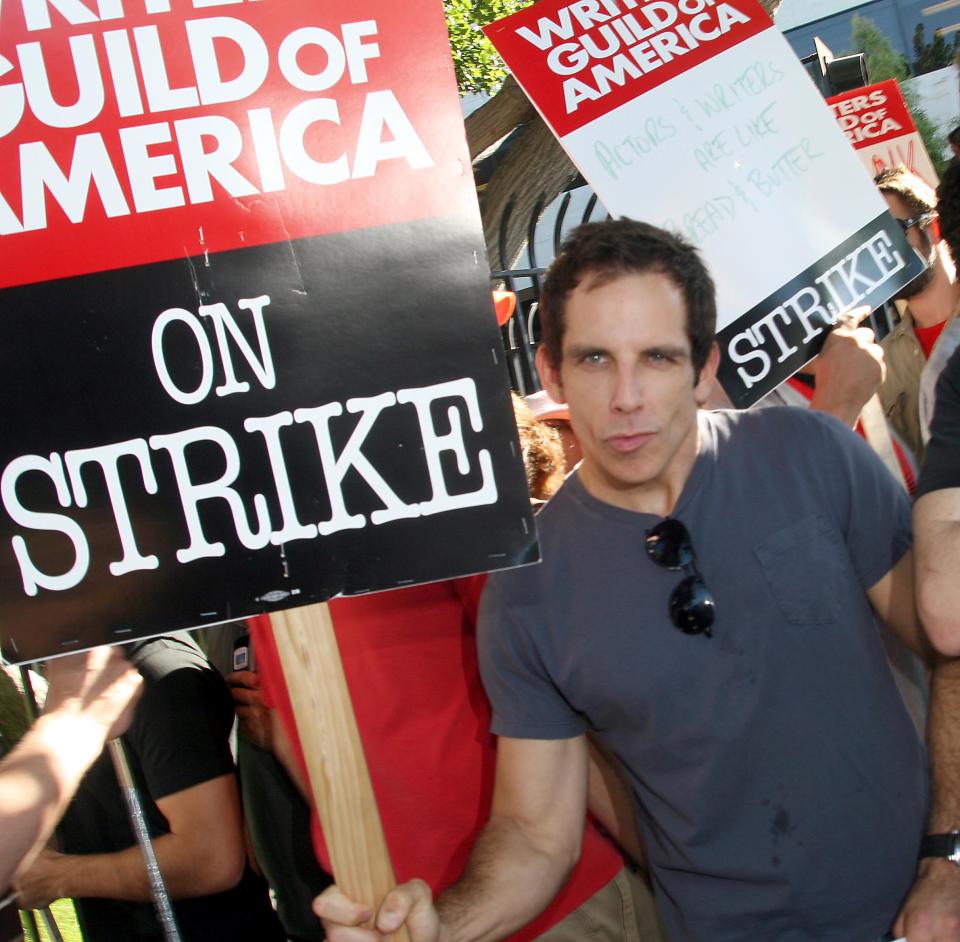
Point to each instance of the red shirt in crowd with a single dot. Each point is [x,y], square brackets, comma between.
[410,660]
[928,336]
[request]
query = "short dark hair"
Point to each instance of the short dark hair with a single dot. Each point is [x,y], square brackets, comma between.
[954,136]
[948,208]
[916,193]
[606,250]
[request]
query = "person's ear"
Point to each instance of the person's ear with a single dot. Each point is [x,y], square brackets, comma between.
[549,375]
[708,375]
[933,229]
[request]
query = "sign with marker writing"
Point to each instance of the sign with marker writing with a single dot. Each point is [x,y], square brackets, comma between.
[250,358]
[696,115]
[877,122]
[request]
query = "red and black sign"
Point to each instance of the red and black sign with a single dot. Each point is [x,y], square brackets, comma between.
[250,359]
[877,122]
[872,115]
[581,61]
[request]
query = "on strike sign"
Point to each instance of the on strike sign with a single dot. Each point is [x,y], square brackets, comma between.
[695,115]
[250,359]
[877,122]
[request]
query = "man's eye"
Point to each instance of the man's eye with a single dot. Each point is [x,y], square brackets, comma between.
[593,359]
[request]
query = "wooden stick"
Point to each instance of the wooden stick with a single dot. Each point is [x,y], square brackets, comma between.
[877,434]
[339,778]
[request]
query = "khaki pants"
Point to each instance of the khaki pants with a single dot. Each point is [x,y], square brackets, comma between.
[623,911]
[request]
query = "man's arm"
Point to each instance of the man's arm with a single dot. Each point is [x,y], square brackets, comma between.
[936,529]
[849,370]
[932,910]
[936,517]
[203,854]
[517,865]
[90,700]
[611,803]
[892,598]
[253,717]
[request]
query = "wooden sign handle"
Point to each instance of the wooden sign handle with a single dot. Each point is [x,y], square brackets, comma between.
[877,434]
[339,778]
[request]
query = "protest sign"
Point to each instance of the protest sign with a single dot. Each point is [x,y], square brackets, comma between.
[696,115]
[877,122]
[250,358]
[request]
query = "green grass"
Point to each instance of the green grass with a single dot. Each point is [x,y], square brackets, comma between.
[66,920]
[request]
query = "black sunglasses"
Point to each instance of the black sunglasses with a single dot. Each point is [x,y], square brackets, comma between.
[921,219]
[692,608]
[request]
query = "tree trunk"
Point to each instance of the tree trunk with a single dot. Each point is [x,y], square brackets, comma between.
[495,119]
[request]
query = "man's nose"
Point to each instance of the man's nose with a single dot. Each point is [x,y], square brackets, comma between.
[627,393]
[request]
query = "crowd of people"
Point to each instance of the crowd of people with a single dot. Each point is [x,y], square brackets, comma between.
[700,717]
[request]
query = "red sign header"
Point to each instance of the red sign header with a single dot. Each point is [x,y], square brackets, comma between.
[580,60]
[873,114]
[133,132]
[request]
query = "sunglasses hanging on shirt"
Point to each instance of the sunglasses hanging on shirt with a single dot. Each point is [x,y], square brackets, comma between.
[692,608]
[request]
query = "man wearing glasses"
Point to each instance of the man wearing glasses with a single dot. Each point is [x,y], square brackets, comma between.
[931,300]
[707,607]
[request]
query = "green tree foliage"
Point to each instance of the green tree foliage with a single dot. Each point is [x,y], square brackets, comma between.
[13,713]
[479,68]
[884,62]
[933,139]
[933,55]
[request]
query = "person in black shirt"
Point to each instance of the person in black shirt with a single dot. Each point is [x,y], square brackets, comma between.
[180,758]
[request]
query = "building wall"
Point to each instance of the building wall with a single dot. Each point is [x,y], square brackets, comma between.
[793,13]
[831,19]
[939,96]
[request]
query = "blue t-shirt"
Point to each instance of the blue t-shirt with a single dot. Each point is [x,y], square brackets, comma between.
[780,784]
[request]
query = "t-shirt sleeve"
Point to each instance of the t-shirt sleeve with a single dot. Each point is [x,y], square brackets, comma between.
[181,730]
[942,466]
[872,506]
[526,703]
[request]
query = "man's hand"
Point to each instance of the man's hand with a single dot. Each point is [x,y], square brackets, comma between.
[99,685]
[90,699]
[849,369]
[38,886]
[253,717]
[518,863]
[410,904]
[932,910]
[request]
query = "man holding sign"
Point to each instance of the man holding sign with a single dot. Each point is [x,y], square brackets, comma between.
[932,301]
[779,784]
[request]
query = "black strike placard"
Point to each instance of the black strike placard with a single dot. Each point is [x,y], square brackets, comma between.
[249,356]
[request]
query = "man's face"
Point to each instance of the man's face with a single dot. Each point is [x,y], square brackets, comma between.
[628,381]
[920,239]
